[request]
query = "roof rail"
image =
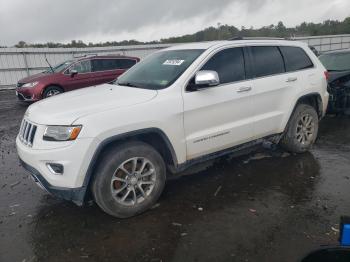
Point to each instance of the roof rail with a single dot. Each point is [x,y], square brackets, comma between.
[257,38]
[86,55]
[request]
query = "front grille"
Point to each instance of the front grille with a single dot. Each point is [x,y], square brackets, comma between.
[27,133]
[20,84]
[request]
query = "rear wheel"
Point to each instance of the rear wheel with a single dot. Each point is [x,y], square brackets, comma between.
[52,91]
[129,179]
[302,130]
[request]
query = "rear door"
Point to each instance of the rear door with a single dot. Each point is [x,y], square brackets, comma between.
[106,70]
[277,78]
[79,80]
[220,117]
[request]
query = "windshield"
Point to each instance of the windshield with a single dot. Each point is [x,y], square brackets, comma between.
[60,67]
[160,69]
[336,61]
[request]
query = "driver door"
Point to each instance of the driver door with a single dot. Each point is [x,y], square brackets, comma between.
[220,117]
[81,79]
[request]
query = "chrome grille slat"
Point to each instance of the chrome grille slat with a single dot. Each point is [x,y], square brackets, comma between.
[21,128]
[27,132]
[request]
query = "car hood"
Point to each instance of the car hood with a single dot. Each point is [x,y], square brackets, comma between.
[35,77]
[64,109]
[334,75]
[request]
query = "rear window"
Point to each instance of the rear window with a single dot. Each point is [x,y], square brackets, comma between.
[125,63]
[267,60]
[102,65]
[112,64]
[295,58]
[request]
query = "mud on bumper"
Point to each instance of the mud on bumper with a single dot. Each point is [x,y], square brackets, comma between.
[76,195]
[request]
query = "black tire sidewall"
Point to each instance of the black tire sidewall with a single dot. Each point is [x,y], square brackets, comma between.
[290,141]
[111,161]
[49,88]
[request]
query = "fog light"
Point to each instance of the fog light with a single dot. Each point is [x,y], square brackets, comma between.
[56,169]
[345,231]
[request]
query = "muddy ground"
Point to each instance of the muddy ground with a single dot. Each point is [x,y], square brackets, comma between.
[265,206]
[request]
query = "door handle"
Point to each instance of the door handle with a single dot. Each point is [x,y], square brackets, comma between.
[291,79]
[244,89]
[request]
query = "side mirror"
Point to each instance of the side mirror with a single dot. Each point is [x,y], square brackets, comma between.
[206,78]
[73,72]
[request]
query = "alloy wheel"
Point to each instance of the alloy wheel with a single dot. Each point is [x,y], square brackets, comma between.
[52,93]
[133,181]
[305,129]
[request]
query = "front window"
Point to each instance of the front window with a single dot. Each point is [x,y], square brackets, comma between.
[82,67]
[60,67]
[160,69]
[336,61]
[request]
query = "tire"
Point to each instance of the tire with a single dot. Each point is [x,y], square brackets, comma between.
[117,163]
[52,91]
[301,131]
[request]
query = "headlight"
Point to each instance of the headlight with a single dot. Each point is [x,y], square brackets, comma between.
[30,84]
[61,133]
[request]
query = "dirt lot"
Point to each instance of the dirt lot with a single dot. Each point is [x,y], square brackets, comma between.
[267,206]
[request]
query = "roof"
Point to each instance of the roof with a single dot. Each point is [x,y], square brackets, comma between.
[88,56]
[213,44]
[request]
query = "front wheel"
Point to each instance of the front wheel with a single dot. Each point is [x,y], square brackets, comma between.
[129,179]
[302,130]
[52,91]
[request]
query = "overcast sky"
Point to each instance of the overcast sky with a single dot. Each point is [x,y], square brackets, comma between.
[145,20]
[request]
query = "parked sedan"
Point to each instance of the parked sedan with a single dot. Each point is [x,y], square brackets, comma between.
[338,66]
[73,74]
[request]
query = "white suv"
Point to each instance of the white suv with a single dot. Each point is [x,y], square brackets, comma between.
[179,106]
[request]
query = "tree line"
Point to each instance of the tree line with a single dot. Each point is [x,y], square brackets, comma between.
[222,32]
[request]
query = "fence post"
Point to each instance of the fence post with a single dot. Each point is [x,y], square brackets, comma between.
[25,62]
[341,42]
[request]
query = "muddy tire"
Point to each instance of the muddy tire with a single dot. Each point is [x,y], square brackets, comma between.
[301,131]
[52,91]
[129,179]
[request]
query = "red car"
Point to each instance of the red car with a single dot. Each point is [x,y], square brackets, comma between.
[73,74]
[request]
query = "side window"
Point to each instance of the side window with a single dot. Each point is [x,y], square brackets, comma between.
[82,67]
[103,65]
[97,65]
[229,64]
[125,63]
[267,61]
[295,58]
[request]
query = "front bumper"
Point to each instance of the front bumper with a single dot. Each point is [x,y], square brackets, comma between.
[24,97]
[32,94]
[75,156]
[75,195]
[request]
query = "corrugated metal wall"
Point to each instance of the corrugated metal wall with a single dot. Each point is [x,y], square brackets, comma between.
[16,63]
[328,42]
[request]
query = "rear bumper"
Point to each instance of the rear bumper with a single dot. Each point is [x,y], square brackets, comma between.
[339,101]
[75,195]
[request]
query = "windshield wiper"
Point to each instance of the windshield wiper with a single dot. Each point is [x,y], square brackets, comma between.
[127,84]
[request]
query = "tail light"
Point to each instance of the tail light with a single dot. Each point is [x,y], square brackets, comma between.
[326,74]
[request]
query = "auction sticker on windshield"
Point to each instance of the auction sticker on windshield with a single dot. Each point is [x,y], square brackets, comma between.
[175,62]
